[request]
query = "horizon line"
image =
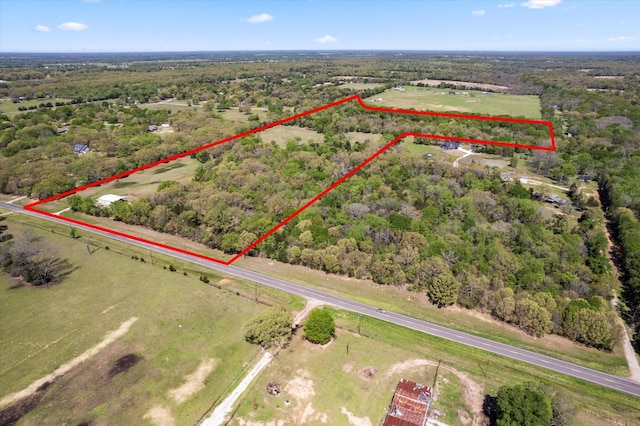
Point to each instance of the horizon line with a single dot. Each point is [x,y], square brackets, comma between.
[323,51]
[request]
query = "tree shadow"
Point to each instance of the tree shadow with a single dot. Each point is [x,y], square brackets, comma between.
[490,408]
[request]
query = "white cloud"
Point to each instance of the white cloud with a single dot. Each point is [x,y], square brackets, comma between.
[506,5]
[259,19]
[42,29]
[326,39]
[72,26]
[621,38]
[478,12]
[540,4]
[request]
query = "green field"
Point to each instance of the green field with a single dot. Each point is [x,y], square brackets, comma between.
[181,323]
[10,109]
[138,184]
[360,86]
[432,99]
[282,134]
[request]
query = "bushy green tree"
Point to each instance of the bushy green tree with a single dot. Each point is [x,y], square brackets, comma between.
[443,290]
[320,326]
[269,328]
[523,405]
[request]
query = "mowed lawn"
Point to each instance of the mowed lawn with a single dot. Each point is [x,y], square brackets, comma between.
[182,322]
[434,99]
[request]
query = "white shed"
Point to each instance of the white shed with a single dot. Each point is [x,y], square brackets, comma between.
[106,200]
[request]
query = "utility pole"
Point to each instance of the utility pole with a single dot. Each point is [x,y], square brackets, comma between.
[359,324]
[435,377]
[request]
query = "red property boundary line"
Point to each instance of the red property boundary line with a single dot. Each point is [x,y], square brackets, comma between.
[32,206]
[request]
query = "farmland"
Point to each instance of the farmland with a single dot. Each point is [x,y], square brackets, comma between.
[463,101]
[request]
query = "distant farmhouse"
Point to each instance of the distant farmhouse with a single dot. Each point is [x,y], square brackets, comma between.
[410,405]
[108,199]
[152,128]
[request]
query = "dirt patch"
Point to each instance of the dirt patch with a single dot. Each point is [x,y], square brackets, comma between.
[356,421]
[225,281]
[160,416]
[194,382]
[348,367]
[11,415]
[311,304]
[464,417]
[301,387]
[123,363]
[473,393]
[368,373]
[273,389]
[108,309]
[109,338]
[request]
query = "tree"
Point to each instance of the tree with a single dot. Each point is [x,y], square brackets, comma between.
[320,327]
[532,317]
[523,405]
[443,290]
[35,262]
[514,161]
[271,327]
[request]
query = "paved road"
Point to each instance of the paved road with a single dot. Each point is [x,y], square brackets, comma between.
[604,379]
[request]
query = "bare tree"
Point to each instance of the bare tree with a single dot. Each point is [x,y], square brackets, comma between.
[35,262]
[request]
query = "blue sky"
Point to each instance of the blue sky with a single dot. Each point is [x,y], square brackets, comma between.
[207,25]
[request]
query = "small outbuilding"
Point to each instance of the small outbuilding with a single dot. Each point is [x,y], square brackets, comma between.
[410,405]
[450,145]
[108,199]
[81,148]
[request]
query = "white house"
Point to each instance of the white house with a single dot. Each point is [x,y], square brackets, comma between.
[106,200]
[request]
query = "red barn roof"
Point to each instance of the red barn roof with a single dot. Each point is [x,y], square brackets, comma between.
[410,405]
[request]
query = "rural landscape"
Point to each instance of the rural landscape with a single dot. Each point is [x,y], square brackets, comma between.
[291,237]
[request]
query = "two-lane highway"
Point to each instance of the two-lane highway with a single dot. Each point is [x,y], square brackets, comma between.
[614,382]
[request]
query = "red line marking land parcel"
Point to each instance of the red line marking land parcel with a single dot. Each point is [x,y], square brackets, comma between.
[358,99]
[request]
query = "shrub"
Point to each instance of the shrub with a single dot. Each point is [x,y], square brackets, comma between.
[320,327]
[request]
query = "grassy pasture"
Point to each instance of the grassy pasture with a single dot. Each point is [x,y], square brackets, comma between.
[10,109]
[171,105]
[360,86]
[182,322]
[322,383]
[433,99]
[146,182]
